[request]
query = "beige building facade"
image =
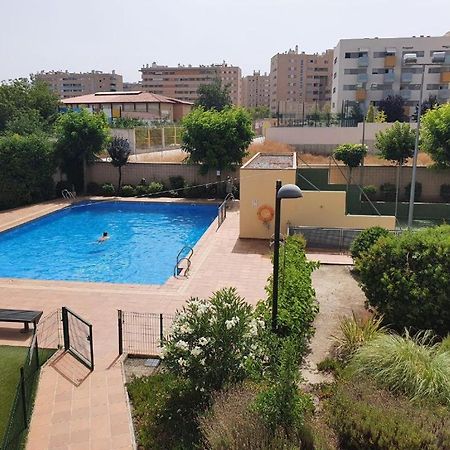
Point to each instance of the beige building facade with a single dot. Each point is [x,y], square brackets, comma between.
[367,71]
[256,90]
[300,82]
[182,82]
[71,84]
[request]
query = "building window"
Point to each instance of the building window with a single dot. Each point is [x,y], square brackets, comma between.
[334,90]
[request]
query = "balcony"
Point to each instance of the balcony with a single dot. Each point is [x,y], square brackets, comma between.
[443,94]
[363,61]
[389,61]
[389,77]
[361,95]
[445,77]
[406,77]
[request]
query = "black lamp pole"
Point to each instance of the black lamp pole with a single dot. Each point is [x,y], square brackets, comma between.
[276,257]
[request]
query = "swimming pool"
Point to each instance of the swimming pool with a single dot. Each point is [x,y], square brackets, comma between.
[145,239]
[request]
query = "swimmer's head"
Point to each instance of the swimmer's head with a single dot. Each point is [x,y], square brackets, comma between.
[105,233]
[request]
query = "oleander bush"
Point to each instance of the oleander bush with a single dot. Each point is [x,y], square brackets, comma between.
[108,190]
[369,418]
[128,191]
[411,366]
[154,187]
[366,239]
[406,278]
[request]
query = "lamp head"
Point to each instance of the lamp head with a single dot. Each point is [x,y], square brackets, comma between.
[410,58]
[289,191]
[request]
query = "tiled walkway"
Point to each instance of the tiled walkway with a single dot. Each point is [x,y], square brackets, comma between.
[76,409]
[80,410]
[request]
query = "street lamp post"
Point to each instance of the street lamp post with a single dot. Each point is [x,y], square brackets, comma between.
[411,59]
[281,192]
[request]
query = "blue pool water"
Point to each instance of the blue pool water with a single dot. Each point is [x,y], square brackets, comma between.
[145,239]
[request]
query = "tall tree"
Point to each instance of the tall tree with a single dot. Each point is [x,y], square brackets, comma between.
[396,144]
[356,113]
[217,139]
[393,106]
[431,103]
[435,134]
[370,116]
[213,96]
[119,150]
[22,97]
[80,137]
[351,155]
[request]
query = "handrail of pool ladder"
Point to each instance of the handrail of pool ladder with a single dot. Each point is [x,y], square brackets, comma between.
[177,269]
[67,195]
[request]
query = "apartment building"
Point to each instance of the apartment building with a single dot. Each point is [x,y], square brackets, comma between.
[182,82]
[70,84]
[299,81]
[256,90]
[132,86]
[369,70]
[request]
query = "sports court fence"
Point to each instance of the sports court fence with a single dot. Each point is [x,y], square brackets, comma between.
[46,339]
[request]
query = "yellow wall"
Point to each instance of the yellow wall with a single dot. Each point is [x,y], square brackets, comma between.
[315,208]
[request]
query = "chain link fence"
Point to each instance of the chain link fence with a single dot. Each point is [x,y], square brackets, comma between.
[154,139]
[45,341]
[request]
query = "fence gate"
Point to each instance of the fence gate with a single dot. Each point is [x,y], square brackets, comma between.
[78,337]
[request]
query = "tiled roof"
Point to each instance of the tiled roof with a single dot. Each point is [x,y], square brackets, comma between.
[122,97]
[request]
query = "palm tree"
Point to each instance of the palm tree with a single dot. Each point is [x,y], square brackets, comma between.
[119,150]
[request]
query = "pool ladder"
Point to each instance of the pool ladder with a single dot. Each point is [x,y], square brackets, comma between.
[67,195]
[183,264]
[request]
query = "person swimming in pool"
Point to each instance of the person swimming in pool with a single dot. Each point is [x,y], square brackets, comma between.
[104,237]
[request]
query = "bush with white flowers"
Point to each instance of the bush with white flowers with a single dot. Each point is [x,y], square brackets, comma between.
[213,341]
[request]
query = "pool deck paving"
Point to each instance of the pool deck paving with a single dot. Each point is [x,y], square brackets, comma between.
[78,409]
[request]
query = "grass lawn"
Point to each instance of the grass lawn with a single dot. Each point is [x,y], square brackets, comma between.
[12,358]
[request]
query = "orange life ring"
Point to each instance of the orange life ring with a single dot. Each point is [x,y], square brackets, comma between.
[265,213]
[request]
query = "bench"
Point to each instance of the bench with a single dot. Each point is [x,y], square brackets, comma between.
[21,315]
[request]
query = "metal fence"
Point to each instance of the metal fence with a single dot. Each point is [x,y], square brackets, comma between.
[142,333]
[45,341]
[157,138]
[336,239]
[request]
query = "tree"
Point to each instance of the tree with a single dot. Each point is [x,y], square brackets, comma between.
[435,134]
[431,103]
[25,122]
[259,112]
[351,155]
[217,139]
[119,150]
[396,144]
[24,98]
[370,116]
[356,113]
[380,117]
[393,106]
[213,96]
[80,137]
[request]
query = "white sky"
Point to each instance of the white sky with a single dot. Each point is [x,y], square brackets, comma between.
[103,35]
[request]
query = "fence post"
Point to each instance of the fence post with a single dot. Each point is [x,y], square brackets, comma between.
[91,345]
[24,398]
[161,330]
[163,137]
[36,349]
[119,327]
[65,321]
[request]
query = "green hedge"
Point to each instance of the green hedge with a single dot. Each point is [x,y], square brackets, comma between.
[407,279]
[27,165]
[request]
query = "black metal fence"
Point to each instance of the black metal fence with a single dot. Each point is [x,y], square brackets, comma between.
[45,341]
[335,239]
[142,333]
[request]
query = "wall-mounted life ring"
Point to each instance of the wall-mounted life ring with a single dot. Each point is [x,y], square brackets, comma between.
[265,213]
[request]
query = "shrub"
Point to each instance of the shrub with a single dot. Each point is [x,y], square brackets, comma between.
[364,241]
[387,191]
[297,305]
[410,366]
[370,191]
[93,188]
[141,189]
[27,165]
[128,191]
[365,417]
[155,187]
[444,346]
[108,190]
[165,407]
[355,332]
[417,191]
[212,340]
[407,279]
[445,192]
[176,182]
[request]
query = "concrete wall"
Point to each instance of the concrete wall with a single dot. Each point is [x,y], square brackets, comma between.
[323,140]
[321,209]
[132,173]
[431,179]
